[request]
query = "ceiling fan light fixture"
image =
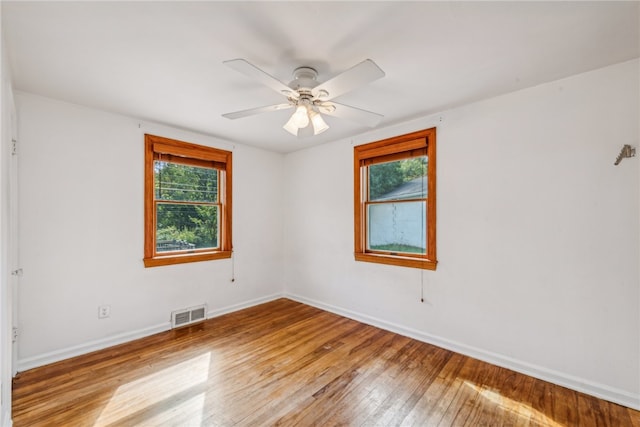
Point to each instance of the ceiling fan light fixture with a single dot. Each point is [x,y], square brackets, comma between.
[290,126]
[310,98]
[301,117]
[319,125]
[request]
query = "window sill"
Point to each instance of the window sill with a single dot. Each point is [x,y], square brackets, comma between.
[182,259]
[425,264]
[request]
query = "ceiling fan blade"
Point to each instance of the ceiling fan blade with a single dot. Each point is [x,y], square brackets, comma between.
[259,110]
[251,71]
[354,114]
[358,75]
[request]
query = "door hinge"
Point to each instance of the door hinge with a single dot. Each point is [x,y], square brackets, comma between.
[17,272]
[14,147]
[14,334]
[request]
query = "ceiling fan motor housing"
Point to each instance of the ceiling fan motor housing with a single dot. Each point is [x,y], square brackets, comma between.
[304,78]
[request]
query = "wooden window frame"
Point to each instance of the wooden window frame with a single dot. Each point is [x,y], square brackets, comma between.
[192,155]
[396,148]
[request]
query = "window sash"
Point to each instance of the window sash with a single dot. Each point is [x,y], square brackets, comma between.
[366,216]
[218,207]
[368,169]
[158,201]
[422,237]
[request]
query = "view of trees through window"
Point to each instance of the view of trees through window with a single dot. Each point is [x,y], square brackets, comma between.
[187,207]
[384,177]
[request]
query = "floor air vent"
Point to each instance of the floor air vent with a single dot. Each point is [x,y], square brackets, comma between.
[188,316]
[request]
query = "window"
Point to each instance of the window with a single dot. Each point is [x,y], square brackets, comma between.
[187,202]
[395,200]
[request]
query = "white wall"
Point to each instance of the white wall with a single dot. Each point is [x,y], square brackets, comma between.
[537,234]
[81,233]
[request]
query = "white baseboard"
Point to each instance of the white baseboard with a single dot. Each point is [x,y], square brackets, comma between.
[6,419]
[78,350]
[66,353]
[236,307]
[575,383]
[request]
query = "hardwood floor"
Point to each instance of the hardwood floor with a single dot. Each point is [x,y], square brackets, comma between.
[285,363]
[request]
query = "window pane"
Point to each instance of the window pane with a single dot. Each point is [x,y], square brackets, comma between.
[399,180]
[186,227]
[173,181]
[397,227]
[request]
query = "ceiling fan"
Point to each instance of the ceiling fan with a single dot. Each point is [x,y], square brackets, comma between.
[311,98]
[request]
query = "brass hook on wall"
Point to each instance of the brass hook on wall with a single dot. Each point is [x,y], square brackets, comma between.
[627,151]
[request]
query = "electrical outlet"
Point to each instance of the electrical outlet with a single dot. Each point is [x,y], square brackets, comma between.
[104,311]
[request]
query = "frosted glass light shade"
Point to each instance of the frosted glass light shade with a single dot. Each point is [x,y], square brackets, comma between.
[290,126]
[300,119]
[301,116]
[319,125]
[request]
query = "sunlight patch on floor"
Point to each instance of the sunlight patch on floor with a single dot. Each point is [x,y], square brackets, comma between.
[184,413]
[522,410]
[158,388]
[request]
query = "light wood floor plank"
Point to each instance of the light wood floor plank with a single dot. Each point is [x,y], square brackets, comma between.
[285,363]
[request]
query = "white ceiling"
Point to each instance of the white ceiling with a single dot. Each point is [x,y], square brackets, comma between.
[162,61]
